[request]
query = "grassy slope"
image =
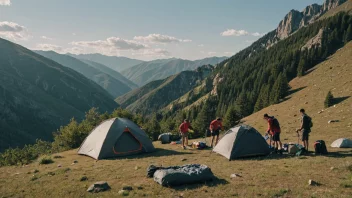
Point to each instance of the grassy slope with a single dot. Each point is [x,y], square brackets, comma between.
[262,177]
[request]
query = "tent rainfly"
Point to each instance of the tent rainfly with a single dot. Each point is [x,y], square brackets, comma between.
[342,143]
[242,141]
[114,138]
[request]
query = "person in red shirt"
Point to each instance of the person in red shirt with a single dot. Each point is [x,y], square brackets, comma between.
[274,130]
[215,127]
[183,128]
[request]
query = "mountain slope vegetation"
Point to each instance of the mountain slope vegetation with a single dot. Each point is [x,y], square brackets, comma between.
[332,171]
[114,62]
[112,85]
[38,95]
[111,72]
[146,72]
[258,76]
[157,94]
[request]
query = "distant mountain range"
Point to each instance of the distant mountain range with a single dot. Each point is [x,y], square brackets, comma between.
[38,95]
[157,94]
[146,72]
[114,62]
[109,79]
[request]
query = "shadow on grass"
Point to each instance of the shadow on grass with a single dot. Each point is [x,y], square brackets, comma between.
[340,99]
[159,152]
[213,183]
[295,90]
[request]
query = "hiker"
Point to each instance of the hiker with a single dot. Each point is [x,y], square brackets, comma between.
[274,130]
[305,128]
[215,127]
[184,132]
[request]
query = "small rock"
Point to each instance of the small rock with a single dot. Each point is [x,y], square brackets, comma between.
[123,192]
[99,187]
[183,160]
[295,115]
[235,175]
[332,168]
[136,168]
[139,187]
[75,162]
[129,188]
[36,171]
[59,165]
[312,183]
[84,178]
[306,103]
[330,121]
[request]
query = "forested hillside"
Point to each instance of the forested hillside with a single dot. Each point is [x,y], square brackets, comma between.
[38,95]
[257,77]
[94,72]
[157,94]
[146,72]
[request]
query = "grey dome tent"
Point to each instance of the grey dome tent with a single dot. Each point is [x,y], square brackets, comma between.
[342,143]
[114,138]
[242,141]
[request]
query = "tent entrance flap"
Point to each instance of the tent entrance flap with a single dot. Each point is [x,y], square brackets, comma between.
[127,143]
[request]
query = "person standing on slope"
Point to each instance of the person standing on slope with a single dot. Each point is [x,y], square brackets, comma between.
[274,130]
[215,127]
[305,128]
[184,132]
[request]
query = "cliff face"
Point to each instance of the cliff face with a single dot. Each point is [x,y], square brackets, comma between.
[295,20]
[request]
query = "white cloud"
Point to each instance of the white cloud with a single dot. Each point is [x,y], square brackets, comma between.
[233,32]
[74,34]
[58,49]
[159,38]
[113,43]
[13,31]
[229,53]
[46,38]
[49,47]
[201,45]
[5,2]
[257,34]
[212,53]
[153,52]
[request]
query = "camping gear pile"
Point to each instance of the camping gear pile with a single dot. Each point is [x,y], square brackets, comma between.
[114,138]
[180,175]
[199,145]
[342,143]
[242,141]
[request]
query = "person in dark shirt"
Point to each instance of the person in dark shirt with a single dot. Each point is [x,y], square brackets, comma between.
[305,128]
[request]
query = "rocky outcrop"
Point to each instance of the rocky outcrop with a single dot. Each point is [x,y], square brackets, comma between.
[315,41]
[217,80]
[295,20]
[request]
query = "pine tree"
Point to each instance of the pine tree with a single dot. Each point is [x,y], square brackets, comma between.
[328,100]
[203,119]
[231,117]
[301,67]
[348,34]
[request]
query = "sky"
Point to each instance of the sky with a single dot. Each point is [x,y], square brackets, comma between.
[143,29]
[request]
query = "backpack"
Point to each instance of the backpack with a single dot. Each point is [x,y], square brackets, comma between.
[276,123]
[320,147]
[310,122]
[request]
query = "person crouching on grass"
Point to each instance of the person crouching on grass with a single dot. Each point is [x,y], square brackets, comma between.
[184,132]
[274,130]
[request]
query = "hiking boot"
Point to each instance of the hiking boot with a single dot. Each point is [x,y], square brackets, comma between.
[280,151]
[184,147]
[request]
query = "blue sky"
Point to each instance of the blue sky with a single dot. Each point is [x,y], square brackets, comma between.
[143,29]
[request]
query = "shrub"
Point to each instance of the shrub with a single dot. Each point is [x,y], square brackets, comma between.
[46,160]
